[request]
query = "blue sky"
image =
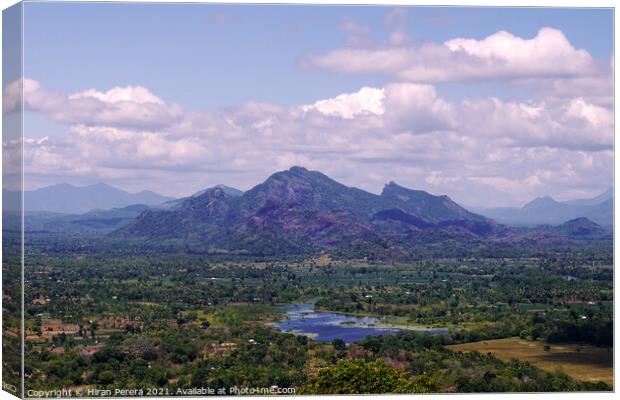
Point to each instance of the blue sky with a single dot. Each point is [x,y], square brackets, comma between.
[209,94]
[183,53]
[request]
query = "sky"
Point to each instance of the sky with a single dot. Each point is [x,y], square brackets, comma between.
[491,106]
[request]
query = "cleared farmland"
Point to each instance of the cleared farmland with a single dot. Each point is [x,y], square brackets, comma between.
[586,363]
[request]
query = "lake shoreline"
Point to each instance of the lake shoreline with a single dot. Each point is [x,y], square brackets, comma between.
[325,325]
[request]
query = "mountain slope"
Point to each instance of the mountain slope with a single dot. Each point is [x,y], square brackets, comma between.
[422,204]
[302,210]
[602,214]
[575,229]
[580,227]
[546,210]
[601,198]
[198,216]
[176,203]
[95,221]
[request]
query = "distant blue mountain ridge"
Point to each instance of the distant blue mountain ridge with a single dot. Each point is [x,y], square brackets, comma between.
[546,210]
[68,199]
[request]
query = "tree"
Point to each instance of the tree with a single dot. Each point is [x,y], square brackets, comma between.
[93,328]
[360,377]
[339,344]
[106,377]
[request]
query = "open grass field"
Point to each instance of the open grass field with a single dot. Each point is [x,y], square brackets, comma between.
[586,363]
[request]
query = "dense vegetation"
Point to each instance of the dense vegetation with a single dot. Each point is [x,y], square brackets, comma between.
[182,321]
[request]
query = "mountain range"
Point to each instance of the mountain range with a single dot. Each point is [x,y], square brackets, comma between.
[68,199]
[298,210]
[298,202]
[546,210]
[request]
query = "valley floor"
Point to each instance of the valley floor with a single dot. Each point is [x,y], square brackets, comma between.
[187,321]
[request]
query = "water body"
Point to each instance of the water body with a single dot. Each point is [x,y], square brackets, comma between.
[325,326]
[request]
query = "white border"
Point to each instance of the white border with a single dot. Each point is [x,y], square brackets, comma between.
[466,3]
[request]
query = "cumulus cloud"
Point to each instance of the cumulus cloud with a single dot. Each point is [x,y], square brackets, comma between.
[133,94]
[348,105]
[12,96]
[498,56]
[417,108]
[597,89]
[476,150]
[397,107]
[572,124]
[131,106]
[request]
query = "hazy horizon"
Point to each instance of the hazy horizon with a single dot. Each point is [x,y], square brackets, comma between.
[257,183]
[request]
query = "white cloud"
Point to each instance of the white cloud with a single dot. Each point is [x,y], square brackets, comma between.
[549,53]
[416,108]
[596,89]
[131,106]
[482,150]
[348,105]
[573,124]
[132,94]
[498,56]
[12,96]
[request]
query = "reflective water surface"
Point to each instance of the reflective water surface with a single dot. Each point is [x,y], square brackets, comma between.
[325,326]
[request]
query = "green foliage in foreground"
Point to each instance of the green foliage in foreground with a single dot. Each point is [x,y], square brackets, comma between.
[361,377]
